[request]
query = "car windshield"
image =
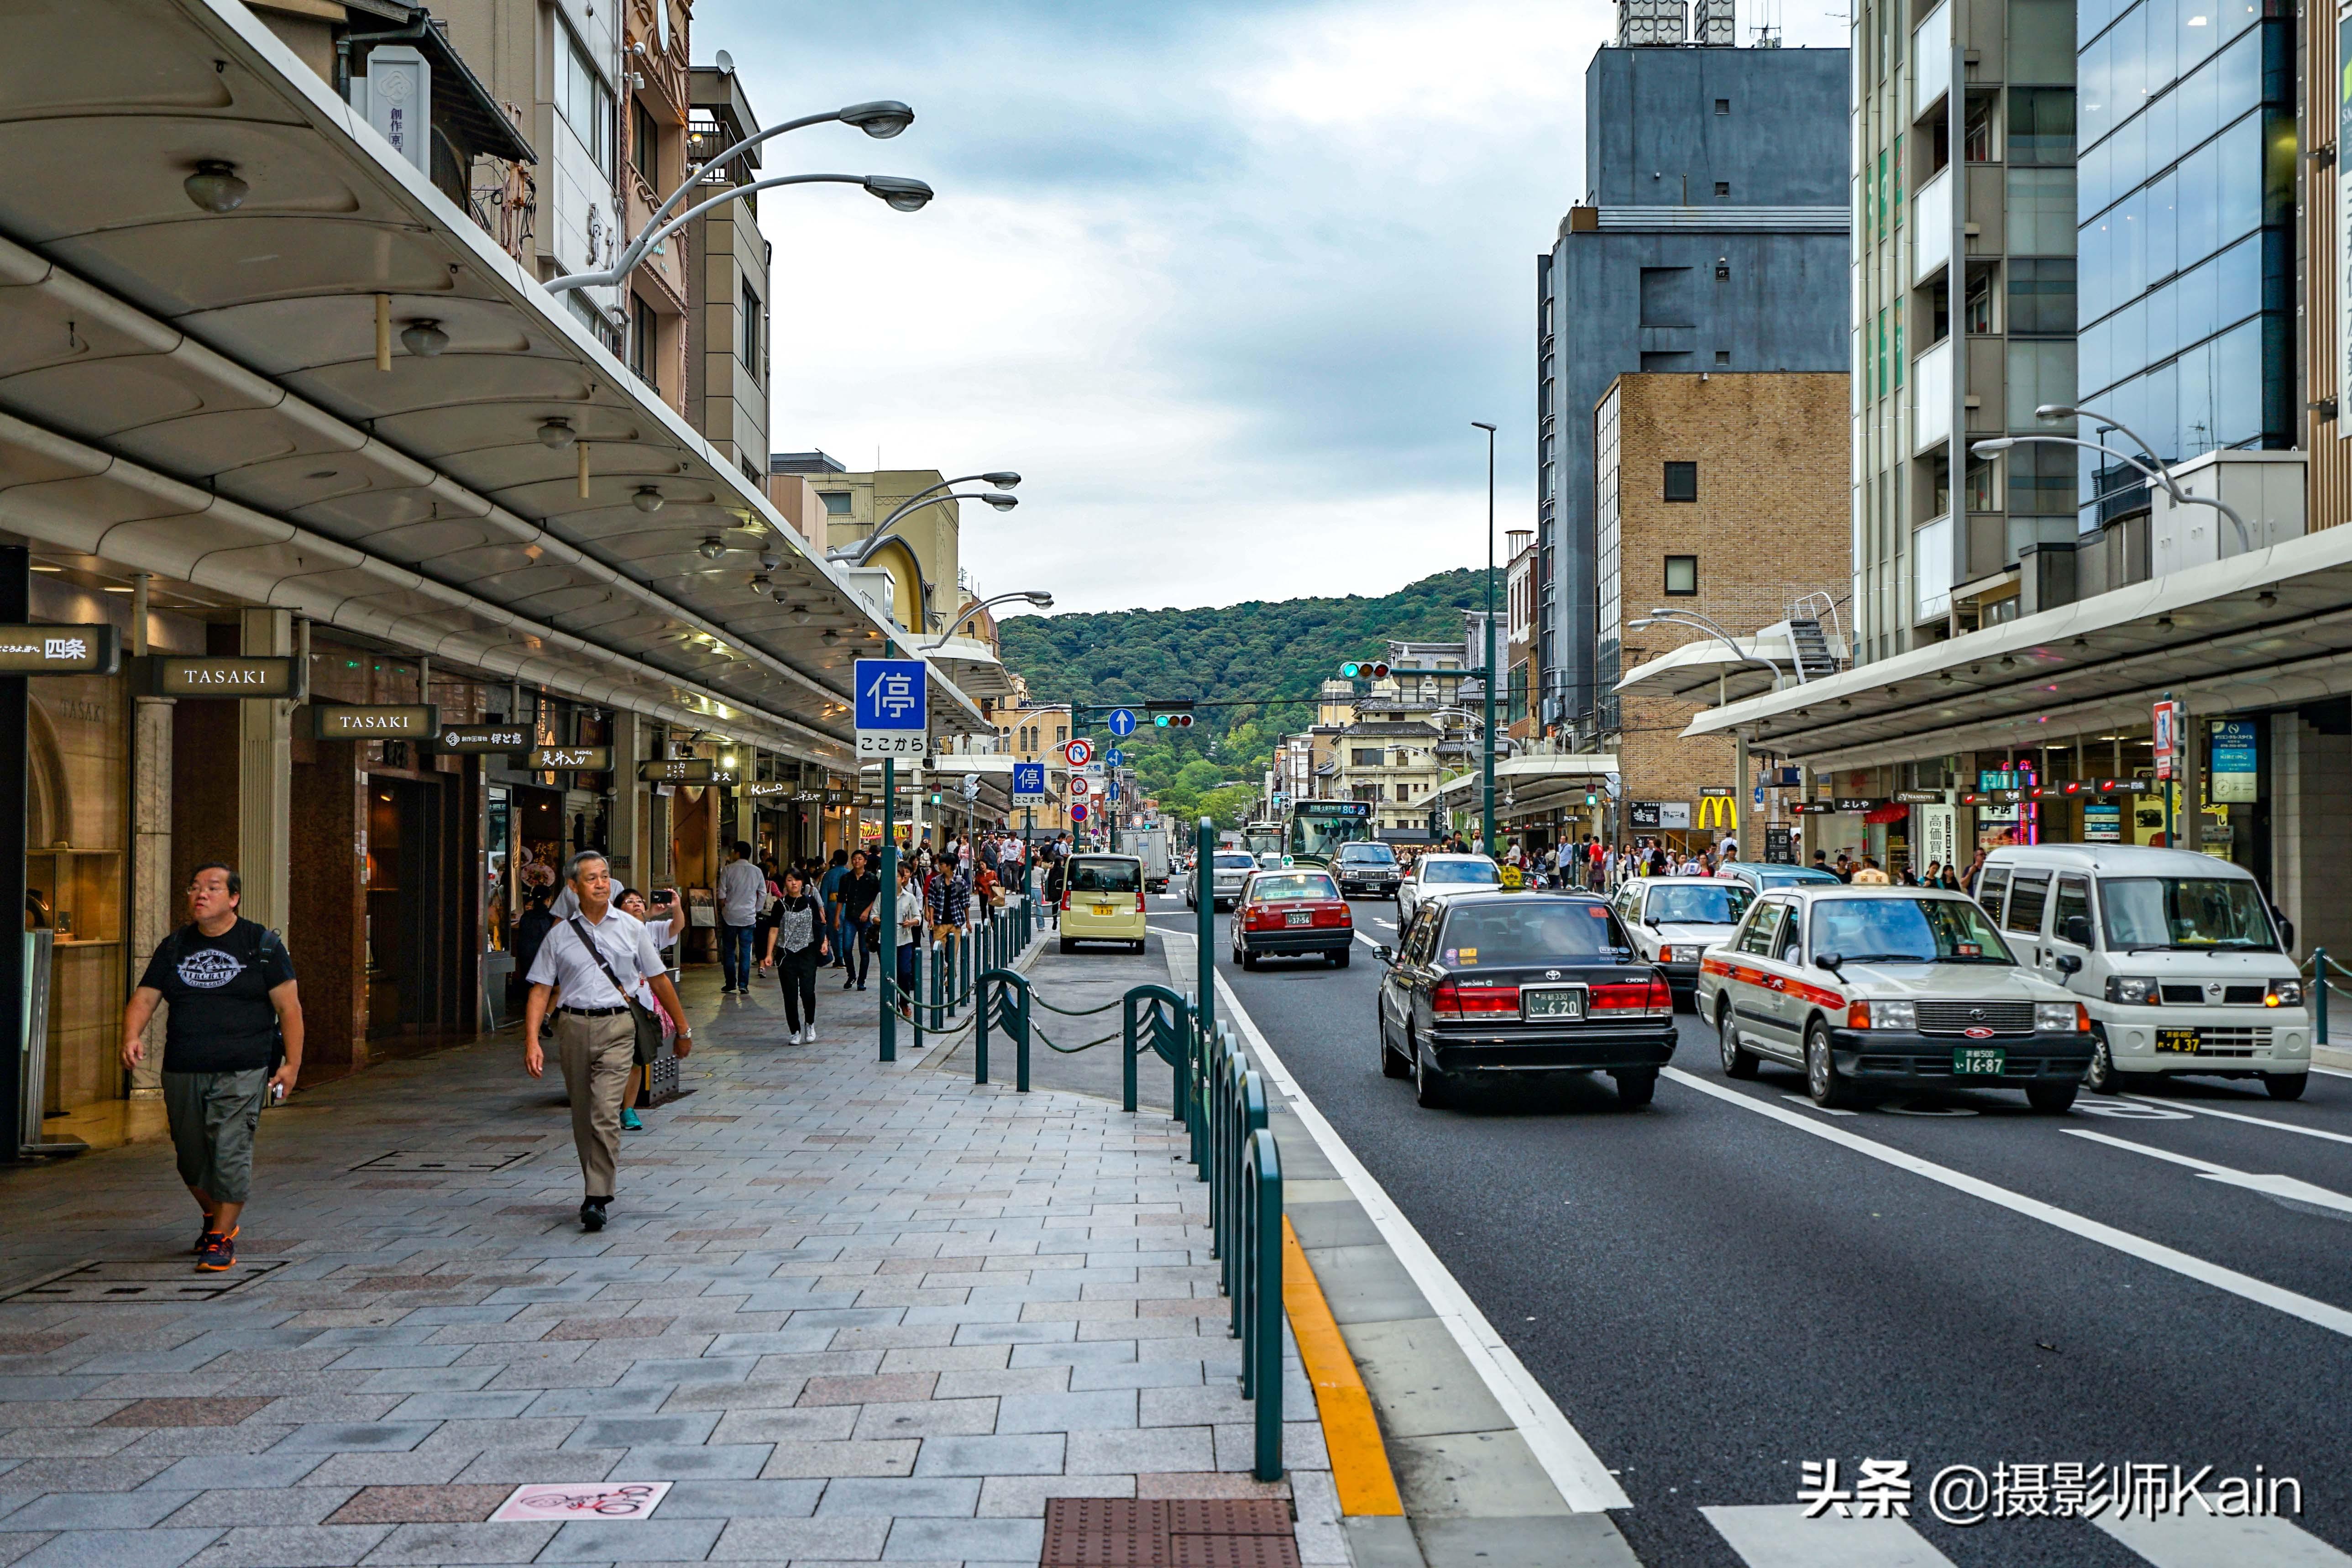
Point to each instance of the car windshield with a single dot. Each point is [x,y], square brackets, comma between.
[1236,862]
[1292,885]
[1548,931]
[1379,852]
[1788,876]
[1106,877]
[1472,871]
[1718,903]
[1906,930]
[2192,912]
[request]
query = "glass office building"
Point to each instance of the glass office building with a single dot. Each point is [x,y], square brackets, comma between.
[2186,195]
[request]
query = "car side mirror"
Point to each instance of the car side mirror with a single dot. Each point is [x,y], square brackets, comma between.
[1828,961]
[2286,929]
[2077,930]
[1385,954]
[2069,964]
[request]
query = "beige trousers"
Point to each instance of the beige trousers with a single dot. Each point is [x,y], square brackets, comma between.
[596,1054]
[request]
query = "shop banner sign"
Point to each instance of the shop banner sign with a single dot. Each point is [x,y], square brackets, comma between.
[60,650]
[1658,816]
[2103,824]
[174,675]
[676,771]
[2233,778]
[769,789]
[2166,731]
[893,708]
[359,722]
[1939,835]
[571,759]
[462,739]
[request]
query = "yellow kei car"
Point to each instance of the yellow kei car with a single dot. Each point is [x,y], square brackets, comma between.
[1102,901]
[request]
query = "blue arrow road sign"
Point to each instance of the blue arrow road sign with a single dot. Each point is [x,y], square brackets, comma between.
[1121,722]
[1115,757]
[892,705]
[1028,783]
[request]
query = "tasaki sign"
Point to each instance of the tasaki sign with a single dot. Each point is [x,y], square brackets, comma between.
[176,675]
[353,722]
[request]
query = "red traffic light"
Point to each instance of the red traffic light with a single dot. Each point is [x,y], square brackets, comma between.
[1378,670]
[1180,721]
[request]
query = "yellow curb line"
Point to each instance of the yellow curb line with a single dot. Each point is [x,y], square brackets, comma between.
[1360,1462]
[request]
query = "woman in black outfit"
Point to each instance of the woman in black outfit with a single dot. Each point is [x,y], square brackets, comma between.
[796,946]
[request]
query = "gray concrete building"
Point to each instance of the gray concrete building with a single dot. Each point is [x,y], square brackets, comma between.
[1711,238]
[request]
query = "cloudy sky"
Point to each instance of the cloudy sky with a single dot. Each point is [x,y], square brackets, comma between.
[1227,280]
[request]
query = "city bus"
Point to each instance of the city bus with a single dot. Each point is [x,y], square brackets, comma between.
[1317,827]
[1262,838]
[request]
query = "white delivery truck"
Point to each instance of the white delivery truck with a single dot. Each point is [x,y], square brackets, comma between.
[1151,844]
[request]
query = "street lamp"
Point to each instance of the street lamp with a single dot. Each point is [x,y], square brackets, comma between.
[1002,479]
[881,119]
[1486,795]
[2153,468]
[1036,596]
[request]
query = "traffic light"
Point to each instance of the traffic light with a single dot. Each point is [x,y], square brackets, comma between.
[1171,713]
[1370,669]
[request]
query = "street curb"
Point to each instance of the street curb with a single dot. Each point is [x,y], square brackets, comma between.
[1351,1434]
[2332,1056]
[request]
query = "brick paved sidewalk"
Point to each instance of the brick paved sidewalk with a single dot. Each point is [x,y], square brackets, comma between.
[857,1313]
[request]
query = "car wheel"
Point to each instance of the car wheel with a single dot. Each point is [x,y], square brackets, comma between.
[1739,1061]
[1428,1083]
[1248,959]
[1339,959]
[2286,1085]
[1069,945]
[2102,1077]
[1636,1087]
[1392,1061]
[2050,1097]
[1142,946]
[1828,1087]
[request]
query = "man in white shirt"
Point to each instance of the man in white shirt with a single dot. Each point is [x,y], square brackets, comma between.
[595,1034]
[740,886]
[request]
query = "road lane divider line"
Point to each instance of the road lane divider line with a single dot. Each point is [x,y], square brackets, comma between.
[2193,1538]
[1583,1481]
[2236,1116]
[1351,1434]
[1824,1109]
[2335,1320]
[2280,1186]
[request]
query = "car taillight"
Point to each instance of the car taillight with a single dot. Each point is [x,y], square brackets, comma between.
[1453,1000]
[1334,915]
[1065,898]
[1138,900]
[1651,995]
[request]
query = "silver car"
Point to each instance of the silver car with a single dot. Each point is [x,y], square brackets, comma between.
[1672,920]
[1227,868]
[1443,876]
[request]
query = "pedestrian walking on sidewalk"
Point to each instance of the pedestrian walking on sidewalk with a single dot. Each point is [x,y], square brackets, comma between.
[861,931]
[797,943]
[233,1015]
[740,887]
[591,965]
[660,930]
[910,936]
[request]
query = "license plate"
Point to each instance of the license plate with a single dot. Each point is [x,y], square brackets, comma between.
[2176,1040]
[1299,918]
[1552,1003]
[1105,910]
[1980,1062]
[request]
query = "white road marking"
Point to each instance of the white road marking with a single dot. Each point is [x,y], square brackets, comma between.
[2335,1320]
[2178,1105]
[2332,1072]
[1585,1483]
[1378,921]
[1779,1535]
[2277,1187]
[2195,1539]
[1808,1105]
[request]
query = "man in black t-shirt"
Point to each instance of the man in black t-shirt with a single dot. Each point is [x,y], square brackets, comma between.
[231,987]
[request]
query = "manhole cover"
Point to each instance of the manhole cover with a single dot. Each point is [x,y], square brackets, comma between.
[171,1279]
[470,1160]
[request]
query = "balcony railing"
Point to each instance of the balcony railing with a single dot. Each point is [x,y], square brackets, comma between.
[1931,227]
[1931,393]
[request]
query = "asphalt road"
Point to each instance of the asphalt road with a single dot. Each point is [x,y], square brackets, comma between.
[1714,1292]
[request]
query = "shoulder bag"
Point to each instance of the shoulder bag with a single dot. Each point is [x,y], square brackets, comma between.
[649,1041]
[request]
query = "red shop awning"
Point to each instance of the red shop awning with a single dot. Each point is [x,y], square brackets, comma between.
[1893,811]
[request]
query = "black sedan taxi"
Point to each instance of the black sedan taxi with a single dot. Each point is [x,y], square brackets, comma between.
[1496,984]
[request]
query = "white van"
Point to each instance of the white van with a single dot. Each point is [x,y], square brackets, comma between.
[2185,966]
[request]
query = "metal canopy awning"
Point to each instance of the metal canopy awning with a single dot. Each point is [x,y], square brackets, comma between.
[1691,671]
[2268,628]
[1537,783]
[973,665]
[197,394]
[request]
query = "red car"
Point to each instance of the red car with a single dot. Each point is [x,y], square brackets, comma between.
[1291,912]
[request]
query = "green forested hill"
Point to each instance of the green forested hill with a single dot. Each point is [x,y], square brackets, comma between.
[1268,656]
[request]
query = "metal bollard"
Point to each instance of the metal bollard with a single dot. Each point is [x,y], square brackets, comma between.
[1261,1313]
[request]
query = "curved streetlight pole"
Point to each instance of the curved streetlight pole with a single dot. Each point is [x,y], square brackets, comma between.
[1036,596]
[1003,479]
[903,194]
[2152,469]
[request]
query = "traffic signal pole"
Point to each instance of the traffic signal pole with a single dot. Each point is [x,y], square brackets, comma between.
[889,908]
[1487,685]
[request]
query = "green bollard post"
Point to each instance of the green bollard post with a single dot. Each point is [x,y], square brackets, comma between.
[1204,860]
[2319,1002]
[979,1037]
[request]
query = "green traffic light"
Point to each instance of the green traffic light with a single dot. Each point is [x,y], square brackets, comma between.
[1161,719]
[1348,671]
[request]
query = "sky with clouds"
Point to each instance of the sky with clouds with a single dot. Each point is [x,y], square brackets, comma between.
[1225,281]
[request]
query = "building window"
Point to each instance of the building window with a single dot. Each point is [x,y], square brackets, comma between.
[1723,106]
[1682,575]
[2040,480]
[642,330]
[1723,356]
[1723,188]
[837,502]
[750,334]
[2040,125]
[2042,298]
[644,146]
[1681,481]
[585,102]
[1364,757]
[1061,734]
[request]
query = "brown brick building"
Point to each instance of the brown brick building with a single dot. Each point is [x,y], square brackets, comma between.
[1725,494]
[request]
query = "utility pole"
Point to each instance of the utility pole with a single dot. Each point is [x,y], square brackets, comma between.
[1487,792]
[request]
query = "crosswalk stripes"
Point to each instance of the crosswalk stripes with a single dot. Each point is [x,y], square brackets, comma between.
[2196,1540]
[1779,1535]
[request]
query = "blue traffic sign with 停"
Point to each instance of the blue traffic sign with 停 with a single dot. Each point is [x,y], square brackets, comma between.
[1028,783]
[891,694]
[1121,722]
